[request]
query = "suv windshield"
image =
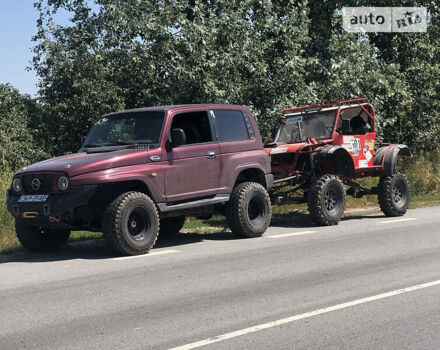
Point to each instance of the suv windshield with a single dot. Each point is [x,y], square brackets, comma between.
[299,128]
[126,129]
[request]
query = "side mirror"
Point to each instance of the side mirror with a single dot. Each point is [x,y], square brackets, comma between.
[345,126]
[178,138]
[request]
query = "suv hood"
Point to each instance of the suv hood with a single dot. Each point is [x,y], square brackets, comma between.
[81,163]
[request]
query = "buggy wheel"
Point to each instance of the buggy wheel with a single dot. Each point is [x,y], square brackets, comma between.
[131,223]
[394,195]
[249,210]
[171,226]
[36,239]
[326,201]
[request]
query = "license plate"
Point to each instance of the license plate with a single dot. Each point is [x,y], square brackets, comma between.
[28,198]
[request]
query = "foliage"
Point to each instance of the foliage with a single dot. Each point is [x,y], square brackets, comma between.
[267,54]
[139,53]
[8,239]
[412,105]
[18,138]
[423,173]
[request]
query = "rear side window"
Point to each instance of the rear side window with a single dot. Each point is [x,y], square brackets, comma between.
[232,126]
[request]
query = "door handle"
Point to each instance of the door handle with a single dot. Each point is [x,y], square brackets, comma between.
[211,155]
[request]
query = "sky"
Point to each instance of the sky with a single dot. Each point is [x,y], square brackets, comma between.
[17,26]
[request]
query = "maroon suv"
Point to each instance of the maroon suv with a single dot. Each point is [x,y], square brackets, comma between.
[141,172]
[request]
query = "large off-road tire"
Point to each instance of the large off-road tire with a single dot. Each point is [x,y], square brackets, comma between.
[249,210]
[326,200]
[171,226]
[394,194]
[131,224]
[36,239]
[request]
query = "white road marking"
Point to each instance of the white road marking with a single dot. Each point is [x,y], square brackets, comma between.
[396,220]
[290,319]
[161,252]
[282,235]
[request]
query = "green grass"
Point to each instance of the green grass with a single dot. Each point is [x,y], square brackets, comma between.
[8,241]
[423,173]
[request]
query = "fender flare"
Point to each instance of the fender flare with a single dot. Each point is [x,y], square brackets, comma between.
[243,168]
[342,161]
[387,157]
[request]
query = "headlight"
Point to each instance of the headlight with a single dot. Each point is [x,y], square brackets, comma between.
[63,183]
[16,185]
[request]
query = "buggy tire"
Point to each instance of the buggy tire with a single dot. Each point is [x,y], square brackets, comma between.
[394,194]
[248,213]
[171,226]
[35,239]
[326,200]
[131,224]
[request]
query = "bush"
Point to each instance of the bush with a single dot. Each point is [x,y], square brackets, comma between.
[8,239]
[423,173]
[18,145]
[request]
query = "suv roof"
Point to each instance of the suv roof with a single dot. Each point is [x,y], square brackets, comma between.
[178,107]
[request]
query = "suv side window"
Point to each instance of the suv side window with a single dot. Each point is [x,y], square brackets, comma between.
[196,126]
[232,126]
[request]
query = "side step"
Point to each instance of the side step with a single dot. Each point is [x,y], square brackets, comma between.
[220,198]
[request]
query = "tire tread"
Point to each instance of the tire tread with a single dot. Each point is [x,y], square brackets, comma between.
[236,212]
[112,218]
[316,192]
[384,195]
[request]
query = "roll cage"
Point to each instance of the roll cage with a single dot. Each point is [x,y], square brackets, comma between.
[340,107]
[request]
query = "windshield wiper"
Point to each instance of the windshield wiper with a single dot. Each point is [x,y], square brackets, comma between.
[119,143]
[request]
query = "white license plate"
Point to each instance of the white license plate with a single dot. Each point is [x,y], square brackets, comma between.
[27,198]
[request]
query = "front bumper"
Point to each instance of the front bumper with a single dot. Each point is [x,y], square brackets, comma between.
[56,205]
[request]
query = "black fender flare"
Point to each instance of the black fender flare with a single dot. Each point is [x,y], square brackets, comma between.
[342,161]
[388,157]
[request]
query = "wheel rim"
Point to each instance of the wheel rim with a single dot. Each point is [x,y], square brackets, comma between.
[138,224]
[331,200]
[397,193]
[256,209]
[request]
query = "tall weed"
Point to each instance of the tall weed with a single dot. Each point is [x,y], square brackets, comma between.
[8,239]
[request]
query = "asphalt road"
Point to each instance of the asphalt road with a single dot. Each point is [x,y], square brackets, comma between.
[370,282]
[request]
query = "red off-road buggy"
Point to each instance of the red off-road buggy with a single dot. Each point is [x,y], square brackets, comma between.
[321,147]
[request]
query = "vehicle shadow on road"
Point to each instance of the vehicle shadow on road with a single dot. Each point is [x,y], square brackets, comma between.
[360,217]
[96,249]
[90,249]
[192,237]
[294,219]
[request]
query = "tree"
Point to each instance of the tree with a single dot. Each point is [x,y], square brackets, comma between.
[398,72]
[18,146]
[267,54]
[141,53]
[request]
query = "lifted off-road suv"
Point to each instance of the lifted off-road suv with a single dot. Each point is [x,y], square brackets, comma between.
[321,147]
[141,172]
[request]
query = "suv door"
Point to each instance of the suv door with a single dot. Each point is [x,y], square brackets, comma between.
[237,142]
[193,169]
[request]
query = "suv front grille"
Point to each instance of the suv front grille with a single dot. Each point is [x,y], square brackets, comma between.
[45,180]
